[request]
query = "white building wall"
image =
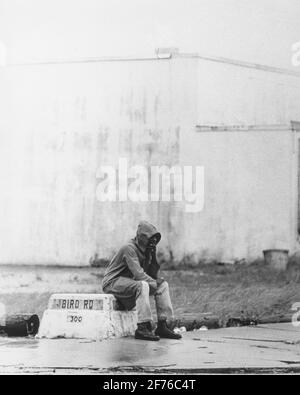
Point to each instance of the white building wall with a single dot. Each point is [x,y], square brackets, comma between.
[249,192]
[60,122]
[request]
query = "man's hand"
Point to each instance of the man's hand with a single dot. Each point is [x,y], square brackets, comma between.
[151,249]
[159,281]
[153,287]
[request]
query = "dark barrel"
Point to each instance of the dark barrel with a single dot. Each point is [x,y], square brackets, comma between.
[20,325]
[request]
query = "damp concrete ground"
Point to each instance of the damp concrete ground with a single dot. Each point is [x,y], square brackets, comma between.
[261,349]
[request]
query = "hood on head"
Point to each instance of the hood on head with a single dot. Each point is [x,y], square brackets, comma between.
[145,231]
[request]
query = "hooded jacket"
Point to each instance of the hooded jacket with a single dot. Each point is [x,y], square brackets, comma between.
[134,260]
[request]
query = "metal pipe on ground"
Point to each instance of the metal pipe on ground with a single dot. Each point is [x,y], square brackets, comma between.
[21,325]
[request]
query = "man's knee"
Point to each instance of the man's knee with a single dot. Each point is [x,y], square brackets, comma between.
[163,287]
[143,288]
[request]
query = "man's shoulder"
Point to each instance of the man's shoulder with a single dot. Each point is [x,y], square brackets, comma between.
[129,247]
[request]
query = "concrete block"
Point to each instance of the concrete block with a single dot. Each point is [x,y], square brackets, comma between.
[86,316]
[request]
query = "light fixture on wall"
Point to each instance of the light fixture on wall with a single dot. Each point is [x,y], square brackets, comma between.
[162,53]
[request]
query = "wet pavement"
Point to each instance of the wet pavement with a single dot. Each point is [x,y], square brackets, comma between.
[261,349]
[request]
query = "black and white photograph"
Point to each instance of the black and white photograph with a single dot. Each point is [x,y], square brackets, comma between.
[149,190]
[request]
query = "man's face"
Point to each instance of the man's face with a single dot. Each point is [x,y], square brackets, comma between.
[153,242]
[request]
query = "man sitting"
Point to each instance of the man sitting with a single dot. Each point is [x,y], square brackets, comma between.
[132,276]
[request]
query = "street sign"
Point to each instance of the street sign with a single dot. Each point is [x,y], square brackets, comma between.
[86,316]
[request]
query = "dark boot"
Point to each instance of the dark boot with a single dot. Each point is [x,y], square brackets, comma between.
[163,331]
[144,332]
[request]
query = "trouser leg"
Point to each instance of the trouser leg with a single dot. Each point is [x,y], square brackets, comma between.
[163,302]
[143,303]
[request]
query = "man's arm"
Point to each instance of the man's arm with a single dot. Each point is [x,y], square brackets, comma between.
[153,267]
[134,266]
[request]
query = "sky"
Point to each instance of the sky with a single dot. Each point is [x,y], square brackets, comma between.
[260,31]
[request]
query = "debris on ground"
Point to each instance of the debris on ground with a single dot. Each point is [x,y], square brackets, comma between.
[209,321]
[180,330]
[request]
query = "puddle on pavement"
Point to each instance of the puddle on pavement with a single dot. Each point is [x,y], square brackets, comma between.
[209,340]
[291,362]
[266,347]
[21,344]
[133,352]
[256,340]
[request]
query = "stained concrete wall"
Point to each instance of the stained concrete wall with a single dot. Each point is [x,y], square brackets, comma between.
[250,191]
[60,122]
